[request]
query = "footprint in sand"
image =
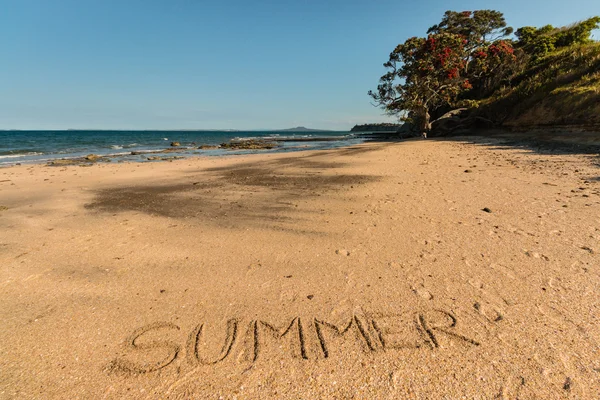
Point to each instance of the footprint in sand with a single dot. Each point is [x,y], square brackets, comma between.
[417,285]
[422,292]
[490,312]
[503,270]
[487,304]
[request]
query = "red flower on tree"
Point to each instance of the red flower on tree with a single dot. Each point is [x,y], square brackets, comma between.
[453,73]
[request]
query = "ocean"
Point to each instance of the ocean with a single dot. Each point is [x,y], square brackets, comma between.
[25,147]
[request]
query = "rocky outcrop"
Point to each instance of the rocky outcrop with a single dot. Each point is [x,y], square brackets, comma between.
[458,120]
[92,157]
[87,160]
[249,145]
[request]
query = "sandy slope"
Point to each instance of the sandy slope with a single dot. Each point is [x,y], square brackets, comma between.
[368,272]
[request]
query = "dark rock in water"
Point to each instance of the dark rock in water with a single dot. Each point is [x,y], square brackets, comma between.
[175,144]
[82,161]
[92,157]
[153,158]
[249,145]
[62,161]
[208,147]
[136,153]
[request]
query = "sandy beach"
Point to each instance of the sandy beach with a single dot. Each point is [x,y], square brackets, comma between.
[423,269]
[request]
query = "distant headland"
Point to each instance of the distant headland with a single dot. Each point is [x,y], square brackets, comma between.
[380,127]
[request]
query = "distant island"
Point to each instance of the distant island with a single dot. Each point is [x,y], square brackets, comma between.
[302,129]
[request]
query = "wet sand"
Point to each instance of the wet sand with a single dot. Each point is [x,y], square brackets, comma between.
[419,269]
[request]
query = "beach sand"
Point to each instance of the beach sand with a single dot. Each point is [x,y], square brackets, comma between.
[420,269]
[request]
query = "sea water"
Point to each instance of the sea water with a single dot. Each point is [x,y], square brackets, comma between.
[42,146]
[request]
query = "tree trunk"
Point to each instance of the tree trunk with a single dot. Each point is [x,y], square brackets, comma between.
[425,123]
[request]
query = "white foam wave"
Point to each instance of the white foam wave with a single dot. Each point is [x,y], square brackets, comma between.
[31,153]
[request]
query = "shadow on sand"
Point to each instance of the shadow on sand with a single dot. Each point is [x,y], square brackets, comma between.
[545,143]
[261,193]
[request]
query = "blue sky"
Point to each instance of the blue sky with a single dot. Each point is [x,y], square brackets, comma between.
[147,64]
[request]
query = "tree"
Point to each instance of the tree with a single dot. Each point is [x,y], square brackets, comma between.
[426,74]
[490,66]
[479,28]
[484,31]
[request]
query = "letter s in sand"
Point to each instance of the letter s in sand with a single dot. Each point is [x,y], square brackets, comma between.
[166,350]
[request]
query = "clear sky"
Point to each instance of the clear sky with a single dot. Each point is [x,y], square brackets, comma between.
[149,64]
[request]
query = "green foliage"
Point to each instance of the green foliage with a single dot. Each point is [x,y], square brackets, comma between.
[467,103]
[492,66]
[479,28]
[538,42]
[378,127]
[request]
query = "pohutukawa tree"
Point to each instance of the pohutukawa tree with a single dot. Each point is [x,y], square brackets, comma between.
[426,74]
[479,28]
[423,74]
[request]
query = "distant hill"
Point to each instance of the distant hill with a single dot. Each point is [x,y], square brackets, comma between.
[302,129]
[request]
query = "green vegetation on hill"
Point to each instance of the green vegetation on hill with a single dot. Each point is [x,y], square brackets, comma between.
[469,63]
[381,127]
[560,88]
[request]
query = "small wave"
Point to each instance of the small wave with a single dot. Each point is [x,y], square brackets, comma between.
[116,147]
[35,161]
[29,153]
[21,151]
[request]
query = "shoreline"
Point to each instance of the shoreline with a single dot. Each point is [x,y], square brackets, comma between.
[425,268]
[107,147]
[559,138]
